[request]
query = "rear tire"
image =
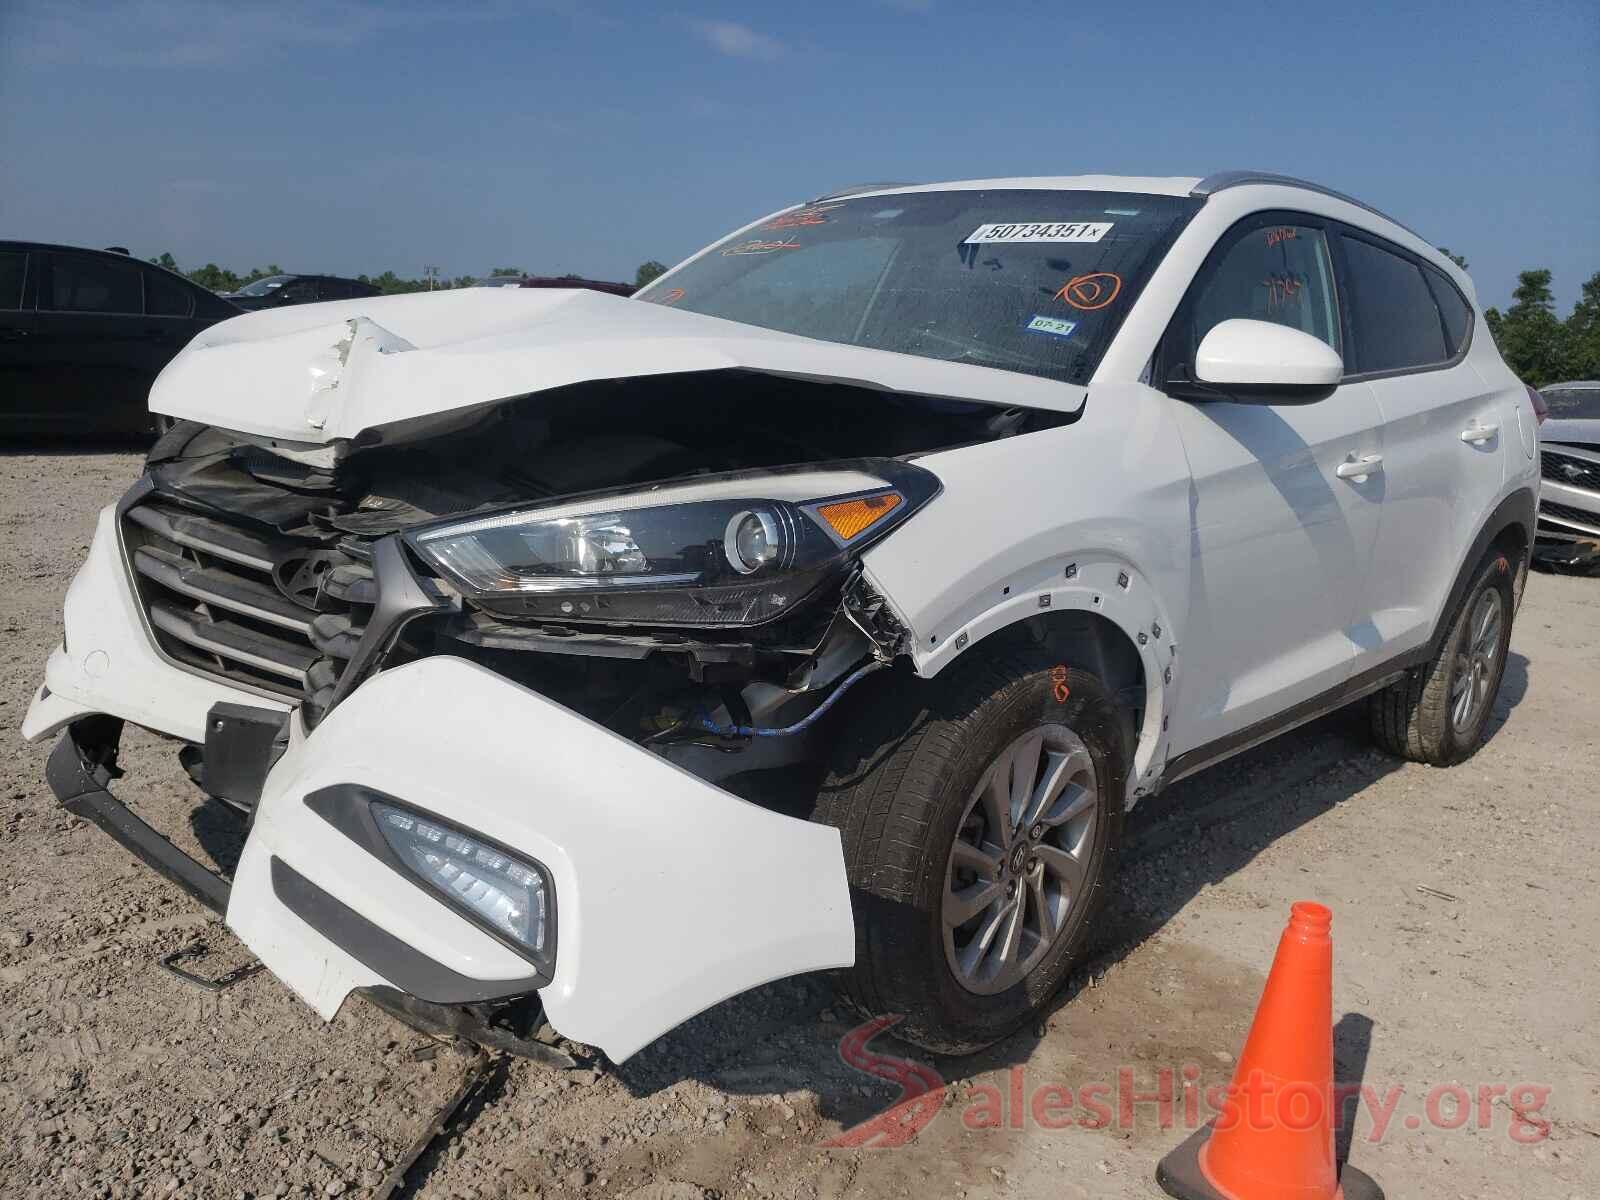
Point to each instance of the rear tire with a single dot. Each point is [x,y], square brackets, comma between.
[911,778]
[1437,713]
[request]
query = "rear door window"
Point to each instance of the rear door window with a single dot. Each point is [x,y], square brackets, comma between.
[88,283]
[164,296]
[1396,324]
[13,270]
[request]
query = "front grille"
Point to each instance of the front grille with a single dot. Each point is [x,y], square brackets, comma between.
[207,584]
[1565,512]
[1574,472]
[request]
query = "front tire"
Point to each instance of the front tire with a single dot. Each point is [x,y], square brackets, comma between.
[1437,713]
[981,814]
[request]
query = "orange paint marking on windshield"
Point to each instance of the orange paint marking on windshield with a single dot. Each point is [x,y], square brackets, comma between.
[1089,292]
[811,214]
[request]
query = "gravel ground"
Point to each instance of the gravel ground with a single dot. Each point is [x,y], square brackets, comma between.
[117,1080]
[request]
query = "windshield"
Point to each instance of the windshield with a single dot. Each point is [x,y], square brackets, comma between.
[1028,280]
[262,287]
[1572,404]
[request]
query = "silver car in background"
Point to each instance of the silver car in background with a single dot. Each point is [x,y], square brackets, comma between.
[1569,502]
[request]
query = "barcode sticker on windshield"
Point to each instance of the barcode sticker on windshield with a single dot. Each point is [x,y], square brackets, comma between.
[1042,231]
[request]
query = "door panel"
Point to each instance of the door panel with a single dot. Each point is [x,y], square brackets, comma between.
[1281,548]
[19,397]
[1444,428]
[1440,491]
[92,348]
[1280,542]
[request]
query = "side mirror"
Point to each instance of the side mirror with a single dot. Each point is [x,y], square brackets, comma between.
[1257,362]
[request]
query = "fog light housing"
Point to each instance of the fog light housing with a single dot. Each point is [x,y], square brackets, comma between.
[508,895]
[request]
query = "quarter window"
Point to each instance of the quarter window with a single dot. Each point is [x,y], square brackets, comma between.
[86,283]
[1397,325]
[13,266]
[1277,273]
[1457,316]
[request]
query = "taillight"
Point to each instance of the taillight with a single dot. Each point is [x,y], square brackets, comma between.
[1541,410]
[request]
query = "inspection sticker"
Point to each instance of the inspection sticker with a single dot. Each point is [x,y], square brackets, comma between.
[1053,325]
[1041,231]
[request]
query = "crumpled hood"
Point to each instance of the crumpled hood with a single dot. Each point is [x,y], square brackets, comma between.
[312,374]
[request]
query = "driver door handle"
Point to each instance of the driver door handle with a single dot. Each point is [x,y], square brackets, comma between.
[1479,433]
[1358,470]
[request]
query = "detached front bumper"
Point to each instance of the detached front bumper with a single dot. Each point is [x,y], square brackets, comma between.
[670,894]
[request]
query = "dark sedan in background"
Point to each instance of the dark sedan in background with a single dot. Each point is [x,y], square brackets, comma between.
[83,333]
[297,289]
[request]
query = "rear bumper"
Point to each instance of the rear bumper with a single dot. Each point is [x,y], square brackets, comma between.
[670,894]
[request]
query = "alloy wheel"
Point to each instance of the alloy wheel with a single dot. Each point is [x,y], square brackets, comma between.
[1476,661]
[1020,861]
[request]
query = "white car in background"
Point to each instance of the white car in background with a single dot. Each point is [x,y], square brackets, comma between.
[826,605]
[1569,498]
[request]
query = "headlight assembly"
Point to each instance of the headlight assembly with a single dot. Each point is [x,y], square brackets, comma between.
[721,553]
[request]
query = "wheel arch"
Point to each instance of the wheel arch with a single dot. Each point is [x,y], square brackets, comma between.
[1510,527]
[1100,614]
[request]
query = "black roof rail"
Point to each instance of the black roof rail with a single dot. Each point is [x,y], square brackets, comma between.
[860,189]
[1223,180]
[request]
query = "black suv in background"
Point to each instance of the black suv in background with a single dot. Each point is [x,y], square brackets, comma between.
[83,334]
[297,289]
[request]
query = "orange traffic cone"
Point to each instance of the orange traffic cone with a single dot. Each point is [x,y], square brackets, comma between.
[1273,1139]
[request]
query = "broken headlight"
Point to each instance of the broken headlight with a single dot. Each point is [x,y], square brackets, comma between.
[722,554]
[500,891]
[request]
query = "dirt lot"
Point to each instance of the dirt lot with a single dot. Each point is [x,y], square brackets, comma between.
[117,1080]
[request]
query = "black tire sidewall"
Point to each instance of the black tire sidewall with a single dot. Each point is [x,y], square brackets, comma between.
[1495,573]
[965,1018]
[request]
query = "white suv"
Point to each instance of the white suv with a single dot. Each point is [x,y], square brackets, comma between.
[826,605]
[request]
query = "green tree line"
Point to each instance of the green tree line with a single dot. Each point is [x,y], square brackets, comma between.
[1537,344]
[220,279]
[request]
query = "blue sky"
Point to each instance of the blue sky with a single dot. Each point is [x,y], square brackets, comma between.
[359,135]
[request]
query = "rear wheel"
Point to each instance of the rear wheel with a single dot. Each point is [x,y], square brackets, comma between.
[1437,713]
[981,814]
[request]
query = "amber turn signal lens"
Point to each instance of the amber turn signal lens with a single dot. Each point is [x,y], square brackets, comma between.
[850,517]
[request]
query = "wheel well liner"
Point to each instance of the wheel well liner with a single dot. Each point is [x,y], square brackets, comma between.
[1090,642]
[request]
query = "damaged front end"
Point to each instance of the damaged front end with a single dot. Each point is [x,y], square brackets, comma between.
[505,706]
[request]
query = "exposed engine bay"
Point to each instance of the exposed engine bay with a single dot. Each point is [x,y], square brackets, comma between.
[236,549]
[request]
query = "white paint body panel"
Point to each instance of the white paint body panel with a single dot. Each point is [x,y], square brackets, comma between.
[671,894]
[1439,488]
[1107,494]
[1281,550]
[317,373]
